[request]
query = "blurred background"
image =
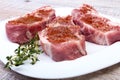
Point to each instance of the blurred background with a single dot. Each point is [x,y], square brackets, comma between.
[20,7]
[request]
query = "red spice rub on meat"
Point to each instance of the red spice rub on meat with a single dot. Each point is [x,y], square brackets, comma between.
[62,40]
[95,27]
[23,29]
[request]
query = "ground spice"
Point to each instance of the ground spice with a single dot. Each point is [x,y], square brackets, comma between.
[44,12]
[60,34]
[96,22]
[66,20]
[26,20]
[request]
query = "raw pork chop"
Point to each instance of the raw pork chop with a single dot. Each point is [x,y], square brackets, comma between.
[62,40]
[96,28]
[65,21]
[58,21]
[23,29]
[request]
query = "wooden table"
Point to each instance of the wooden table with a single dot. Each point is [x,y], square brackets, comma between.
[11,8]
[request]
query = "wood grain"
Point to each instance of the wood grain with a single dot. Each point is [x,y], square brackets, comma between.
[11,8]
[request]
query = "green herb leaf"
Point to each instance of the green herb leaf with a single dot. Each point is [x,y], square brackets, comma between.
[27,51]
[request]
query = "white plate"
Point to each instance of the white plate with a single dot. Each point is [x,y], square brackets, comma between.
[98,57]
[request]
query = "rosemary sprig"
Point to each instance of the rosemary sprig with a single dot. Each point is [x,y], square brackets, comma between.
[28,51]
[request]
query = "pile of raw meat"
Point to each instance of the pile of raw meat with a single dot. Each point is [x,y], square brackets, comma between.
[63,38]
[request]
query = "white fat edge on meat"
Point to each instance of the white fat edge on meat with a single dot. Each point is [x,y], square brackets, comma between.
[47,45]
[100,40]
[44,18]
[76,15]
[35,23]
[97,38]
[106,38]
[28,34]
[78,43]
[89,27]
[16,34]
[54,24]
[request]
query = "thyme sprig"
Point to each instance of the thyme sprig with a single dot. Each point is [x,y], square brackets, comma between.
[27,51]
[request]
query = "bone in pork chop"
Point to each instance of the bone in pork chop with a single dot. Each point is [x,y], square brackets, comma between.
[62,40]
[23,29]
[96,28]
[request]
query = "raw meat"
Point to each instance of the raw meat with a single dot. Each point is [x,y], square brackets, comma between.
[95,27]
[23,29]
[62,40]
